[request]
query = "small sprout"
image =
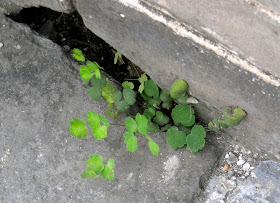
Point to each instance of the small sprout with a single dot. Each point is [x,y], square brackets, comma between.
[78,55]
[178,88]
[117,56]
[233,116]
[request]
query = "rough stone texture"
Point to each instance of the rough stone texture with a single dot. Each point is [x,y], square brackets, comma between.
[39,160]
[170,43]
[226,50]
[262,186]
[14,6]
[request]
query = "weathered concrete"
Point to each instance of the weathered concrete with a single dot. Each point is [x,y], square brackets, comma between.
[39,160]
[227,51]
[168,40]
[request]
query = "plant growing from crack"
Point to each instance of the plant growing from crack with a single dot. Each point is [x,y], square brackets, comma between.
[180,127]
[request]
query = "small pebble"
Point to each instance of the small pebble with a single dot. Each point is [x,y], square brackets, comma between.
[240,162]
[246,167]
[1,45]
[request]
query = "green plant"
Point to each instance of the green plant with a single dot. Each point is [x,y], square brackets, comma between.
[180,127]
[117,56]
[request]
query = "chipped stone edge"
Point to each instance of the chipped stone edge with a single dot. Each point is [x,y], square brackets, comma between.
[162,16]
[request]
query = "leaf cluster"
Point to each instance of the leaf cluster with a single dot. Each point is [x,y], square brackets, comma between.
[96,167]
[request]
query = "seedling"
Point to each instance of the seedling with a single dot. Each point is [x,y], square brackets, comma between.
[180,128]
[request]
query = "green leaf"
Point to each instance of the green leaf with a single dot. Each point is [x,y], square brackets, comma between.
[130,141]
[183,114]
[93,119]
[184,129]
[176,139]
[154,148]
[94,93]
[116,58]
[118,95]
[126,84]
[78,128]
[95,163]
[100,132]
[129,96]
[151,89]
[183,99]
[153,103]
[222,123]
[122,106]
[112,111]
[150,111]
[78,55]
[214,125]
[99,82]
[165,96]
[233,116]
[152,127]
[108,172]
[108,93]
[130,125]
[89,174]
[165,128]
[161,119]
[167,105]
[85,74]
[178,88]
[104,121]
[196,140]
[142,124]
[142,79]
[144,96]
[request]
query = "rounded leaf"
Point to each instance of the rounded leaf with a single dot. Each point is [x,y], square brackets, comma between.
[183,114]
[165,96]
[99,82]
[151,89]
[176,139]
[78,55]
[183,99]
[118,95]
[127,84]
[100,132]
[108,93]
[130,125]
[78,128]
[93,119]
[167,105]
[196,140]
[154,148]
[104,121]
[130,141]
[108,172]
[178,88]
[152,127]
[95,93]
[161,119]
[129,96]
[95,163]
[142,124]
[122,106]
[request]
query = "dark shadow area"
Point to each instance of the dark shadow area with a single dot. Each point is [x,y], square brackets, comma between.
[69,31]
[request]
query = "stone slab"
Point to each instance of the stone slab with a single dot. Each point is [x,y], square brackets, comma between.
[41,162]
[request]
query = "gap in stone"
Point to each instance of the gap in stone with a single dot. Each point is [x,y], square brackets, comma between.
[69,31]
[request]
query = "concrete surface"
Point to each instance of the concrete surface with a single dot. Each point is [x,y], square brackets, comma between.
[41,162]
[164,38]
[226,50]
